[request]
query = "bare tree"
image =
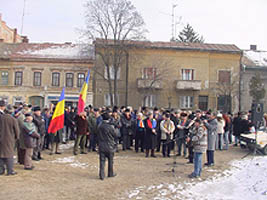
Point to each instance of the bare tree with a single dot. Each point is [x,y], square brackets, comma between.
[112,24]
[229,90]
[164,68]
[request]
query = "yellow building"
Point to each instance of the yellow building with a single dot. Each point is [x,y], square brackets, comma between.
[36,73]
[175,75]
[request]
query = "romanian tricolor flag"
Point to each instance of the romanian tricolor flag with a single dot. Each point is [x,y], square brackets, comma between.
[83,94]
[57,121]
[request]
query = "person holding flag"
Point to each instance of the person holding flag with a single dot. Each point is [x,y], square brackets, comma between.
[57,124]
[83,94]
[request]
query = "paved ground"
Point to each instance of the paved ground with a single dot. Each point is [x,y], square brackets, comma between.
[76,177]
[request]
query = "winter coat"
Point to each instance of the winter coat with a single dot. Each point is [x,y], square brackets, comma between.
[82,125]
[40,124]
[150,136]
[200,139]
[212,126]
[236,126]
[29,134]
[183,131]
[106,137]
[126,125]
[165,127]
[92,124]
[9,133]
[116,123]
[220,127]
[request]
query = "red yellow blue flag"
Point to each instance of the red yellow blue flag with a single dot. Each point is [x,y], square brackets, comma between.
[83,94]
[57,121]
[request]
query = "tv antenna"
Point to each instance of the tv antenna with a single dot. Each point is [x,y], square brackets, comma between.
[173,17]
[23,14]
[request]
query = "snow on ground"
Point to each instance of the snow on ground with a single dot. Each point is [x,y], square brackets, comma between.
[245,180]
[73,162]
[66,146]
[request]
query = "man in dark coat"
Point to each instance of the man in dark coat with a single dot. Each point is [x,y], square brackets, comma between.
[126,126]
[39,123]
[9,133]
[107,146]
[237,127]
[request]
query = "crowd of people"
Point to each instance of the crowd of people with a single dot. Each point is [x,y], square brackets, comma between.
[24,129]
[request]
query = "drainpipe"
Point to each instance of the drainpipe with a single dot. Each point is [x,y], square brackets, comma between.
[240,81]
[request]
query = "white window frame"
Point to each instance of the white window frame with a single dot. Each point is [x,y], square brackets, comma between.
[150,101]
[4,74]
[112,73]
[107,99]
[186,102]
[188,76]
[145,74]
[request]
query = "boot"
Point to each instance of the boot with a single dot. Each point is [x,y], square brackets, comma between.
[153,153]
[147,152]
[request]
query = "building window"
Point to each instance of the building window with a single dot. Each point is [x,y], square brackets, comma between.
[69,79]
[149,73]
[203,102]
[4,78]
[37,78]
[149,101]
[186,101]
[55,79]
[187,74]
[18,78]
[107,99]
[81,78]
[17,100]
[224,76]
[112,73]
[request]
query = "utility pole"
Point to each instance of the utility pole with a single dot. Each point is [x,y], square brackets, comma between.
[23,13]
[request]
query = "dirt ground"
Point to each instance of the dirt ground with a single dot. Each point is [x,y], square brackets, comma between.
[76,177]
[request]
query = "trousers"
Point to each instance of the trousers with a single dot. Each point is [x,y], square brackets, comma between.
[28,158]
[102,158]
[9,163]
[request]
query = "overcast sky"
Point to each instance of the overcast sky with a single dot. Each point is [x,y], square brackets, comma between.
[240,22]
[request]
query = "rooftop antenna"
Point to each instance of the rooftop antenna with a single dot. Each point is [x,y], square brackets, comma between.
[173,16]
[23,13]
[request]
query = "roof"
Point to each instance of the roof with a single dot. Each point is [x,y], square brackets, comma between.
[65,51]
[255,58]
[227,48]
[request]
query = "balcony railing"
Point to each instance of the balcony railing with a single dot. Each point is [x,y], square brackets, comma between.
[148,84]
[188,85]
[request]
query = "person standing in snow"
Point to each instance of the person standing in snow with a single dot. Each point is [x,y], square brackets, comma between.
[199,141]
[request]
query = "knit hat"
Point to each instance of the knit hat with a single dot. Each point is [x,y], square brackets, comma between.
[36,108]
[2,103]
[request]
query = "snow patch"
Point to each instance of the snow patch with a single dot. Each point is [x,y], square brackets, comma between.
[258,57]
[245,180]
[66,146]
[70,161]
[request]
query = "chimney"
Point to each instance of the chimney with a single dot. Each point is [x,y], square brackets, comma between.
[15,35]
[25,39]
[253,47]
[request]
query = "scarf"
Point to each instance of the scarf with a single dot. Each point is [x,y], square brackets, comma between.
[140,123]
[152,124]
[168,125]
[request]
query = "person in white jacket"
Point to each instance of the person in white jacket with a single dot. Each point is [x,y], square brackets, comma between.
[220,131]
[167,128]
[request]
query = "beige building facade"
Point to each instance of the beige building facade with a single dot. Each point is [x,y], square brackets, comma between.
[176,75]
[36,73]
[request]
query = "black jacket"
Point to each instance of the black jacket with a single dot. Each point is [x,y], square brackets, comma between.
[106,137]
